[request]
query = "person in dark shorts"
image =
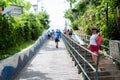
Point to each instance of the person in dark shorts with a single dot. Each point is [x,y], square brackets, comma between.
[57,37]
[70,33]
[49,34]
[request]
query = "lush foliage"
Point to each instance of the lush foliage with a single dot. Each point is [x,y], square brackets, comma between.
[43,18]
[17,30]
[96,13]
[21,30]
[68,15]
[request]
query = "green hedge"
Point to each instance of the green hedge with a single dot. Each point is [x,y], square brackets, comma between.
[15,31]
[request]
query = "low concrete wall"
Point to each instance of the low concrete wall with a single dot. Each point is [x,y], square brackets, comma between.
[115,48]
[11,66]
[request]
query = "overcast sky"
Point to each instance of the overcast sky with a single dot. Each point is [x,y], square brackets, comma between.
[56,9]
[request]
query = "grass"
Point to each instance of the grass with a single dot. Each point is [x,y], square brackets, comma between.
[11,51]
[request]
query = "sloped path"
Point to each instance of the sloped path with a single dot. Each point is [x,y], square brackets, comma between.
[50,64]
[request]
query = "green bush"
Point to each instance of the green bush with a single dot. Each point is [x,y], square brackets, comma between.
[15,31]
[43,18]
[6,33]
[74,25]
[93,13]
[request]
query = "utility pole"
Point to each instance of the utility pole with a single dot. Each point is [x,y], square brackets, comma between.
[35,6]
[35,10]
[42,7]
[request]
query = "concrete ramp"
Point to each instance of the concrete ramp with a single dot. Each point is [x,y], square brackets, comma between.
[50,63]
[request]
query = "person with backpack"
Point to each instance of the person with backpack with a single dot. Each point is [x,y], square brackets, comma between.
[57,36]
[93,44]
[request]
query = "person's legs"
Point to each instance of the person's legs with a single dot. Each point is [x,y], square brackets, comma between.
[52,37]
[95,50]
[56,41]
[48,36]
[70,36]
[56,44]
[94,58]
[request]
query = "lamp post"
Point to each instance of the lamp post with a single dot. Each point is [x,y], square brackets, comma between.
[35,10]
[42,7]
[35,6]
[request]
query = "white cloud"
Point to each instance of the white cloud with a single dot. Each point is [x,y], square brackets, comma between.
[55,8]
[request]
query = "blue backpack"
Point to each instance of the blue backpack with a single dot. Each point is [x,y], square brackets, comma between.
[57,35]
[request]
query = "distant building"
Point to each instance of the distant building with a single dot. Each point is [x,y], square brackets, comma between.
[13,10]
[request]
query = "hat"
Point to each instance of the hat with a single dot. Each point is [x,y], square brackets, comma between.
[95,29]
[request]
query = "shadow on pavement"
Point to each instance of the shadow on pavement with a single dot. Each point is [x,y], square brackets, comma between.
[34,75]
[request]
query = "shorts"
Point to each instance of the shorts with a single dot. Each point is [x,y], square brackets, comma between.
[94,48]
[48,35]
[70,33]
[56,40]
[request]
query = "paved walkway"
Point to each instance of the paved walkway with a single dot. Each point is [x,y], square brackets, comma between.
[50,64]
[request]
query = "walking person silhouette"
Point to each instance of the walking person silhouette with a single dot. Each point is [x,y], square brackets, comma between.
[57,36]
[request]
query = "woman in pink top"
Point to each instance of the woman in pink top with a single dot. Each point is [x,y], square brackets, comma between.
[93,44]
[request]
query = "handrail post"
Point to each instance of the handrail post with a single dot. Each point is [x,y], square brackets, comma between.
[79,60]
[76,55]
[85,63]
[96,73]
[72,50]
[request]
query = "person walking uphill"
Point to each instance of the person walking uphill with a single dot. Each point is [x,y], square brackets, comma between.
[93,43]
[49,34]
[57,37]
[52,34]
[70,33]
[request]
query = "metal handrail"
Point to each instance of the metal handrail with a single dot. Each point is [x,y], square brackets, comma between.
[77,56]
[83,36]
